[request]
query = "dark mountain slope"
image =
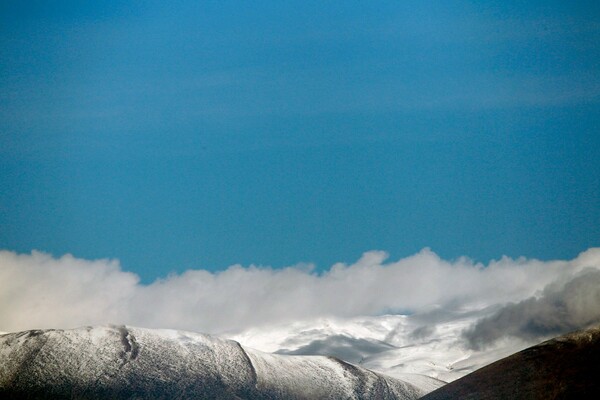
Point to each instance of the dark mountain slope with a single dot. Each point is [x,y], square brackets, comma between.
[567,367]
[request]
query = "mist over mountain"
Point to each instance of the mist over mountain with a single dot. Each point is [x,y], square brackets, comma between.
[421,320]
[561,307]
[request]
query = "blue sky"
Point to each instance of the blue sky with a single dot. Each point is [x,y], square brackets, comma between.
[202,134]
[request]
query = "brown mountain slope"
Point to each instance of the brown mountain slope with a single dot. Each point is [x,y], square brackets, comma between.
[567,367]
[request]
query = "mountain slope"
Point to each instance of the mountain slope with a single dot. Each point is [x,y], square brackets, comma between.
[562,368]
[124,363]
[404,347]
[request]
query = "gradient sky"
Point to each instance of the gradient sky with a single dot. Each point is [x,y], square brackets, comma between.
[176,135]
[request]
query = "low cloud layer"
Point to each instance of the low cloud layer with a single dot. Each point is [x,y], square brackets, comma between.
[40,291]
[347,348]
[561,308]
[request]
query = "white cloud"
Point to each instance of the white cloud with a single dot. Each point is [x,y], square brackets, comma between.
[39,291]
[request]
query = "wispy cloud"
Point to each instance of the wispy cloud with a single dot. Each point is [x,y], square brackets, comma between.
[561,308]
[40,291]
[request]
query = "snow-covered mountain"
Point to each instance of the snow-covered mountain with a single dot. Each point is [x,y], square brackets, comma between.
[122,362]
[405,347]
[126,362]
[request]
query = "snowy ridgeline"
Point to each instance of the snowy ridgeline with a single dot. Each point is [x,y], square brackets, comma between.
[410,348]
[125,362]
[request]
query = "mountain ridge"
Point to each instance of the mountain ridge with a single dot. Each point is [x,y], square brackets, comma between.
[124,362]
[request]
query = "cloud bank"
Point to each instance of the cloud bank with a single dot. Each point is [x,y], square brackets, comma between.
[561,308]
[40,291]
